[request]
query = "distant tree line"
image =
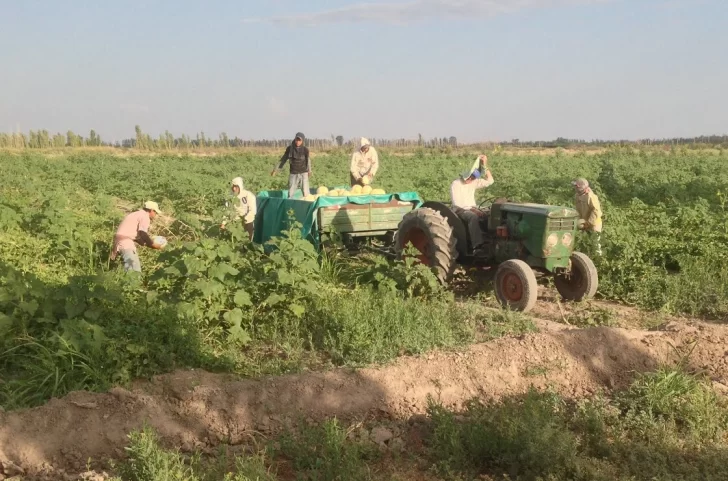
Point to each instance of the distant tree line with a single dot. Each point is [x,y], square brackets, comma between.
[713,140]
[167,141]
[41,139]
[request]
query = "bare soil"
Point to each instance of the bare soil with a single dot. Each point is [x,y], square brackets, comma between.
[197,409]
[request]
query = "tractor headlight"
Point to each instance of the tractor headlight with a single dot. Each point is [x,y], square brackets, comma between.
[552,240]
[567,239]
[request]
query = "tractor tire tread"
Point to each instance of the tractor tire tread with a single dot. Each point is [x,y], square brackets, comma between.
[442,250]
[583,263]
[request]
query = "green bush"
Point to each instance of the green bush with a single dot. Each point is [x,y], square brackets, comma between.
[323,453]
[667,425]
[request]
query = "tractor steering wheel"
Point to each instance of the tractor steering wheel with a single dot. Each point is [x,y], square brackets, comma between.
[487,200]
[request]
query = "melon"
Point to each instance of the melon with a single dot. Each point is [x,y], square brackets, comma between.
[356,190]
[367,190]
[378,192]
[322,190]
[365,180]
[310,198]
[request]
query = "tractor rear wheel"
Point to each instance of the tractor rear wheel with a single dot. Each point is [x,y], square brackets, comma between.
[432,236]
[516,286]
[582,282]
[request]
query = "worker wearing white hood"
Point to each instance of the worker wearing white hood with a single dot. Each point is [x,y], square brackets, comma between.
[364,164]
[244,206]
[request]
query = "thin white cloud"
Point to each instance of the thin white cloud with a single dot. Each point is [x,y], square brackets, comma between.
[402,13]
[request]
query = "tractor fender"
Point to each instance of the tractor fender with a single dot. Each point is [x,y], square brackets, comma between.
[458,227]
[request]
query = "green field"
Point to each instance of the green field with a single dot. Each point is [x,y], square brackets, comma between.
[64,307]
[72,320]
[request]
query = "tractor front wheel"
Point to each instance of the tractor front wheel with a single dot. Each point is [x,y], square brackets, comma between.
[581,282]
[515,285]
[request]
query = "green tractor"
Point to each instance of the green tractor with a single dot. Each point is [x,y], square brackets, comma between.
[521,240]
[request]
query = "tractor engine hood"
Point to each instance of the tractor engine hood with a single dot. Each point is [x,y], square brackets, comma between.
[539,209]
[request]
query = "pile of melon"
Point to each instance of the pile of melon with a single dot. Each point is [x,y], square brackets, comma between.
[323,191]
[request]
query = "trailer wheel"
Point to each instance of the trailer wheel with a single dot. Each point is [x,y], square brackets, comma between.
[582,282]
[431,235]
[515,285]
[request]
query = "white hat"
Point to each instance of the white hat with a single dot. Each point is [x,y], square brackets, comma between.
[150,205]
[364,142]
[238,181]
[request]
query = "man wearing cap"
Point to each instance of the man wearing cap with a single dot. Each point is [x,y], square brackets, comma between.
[590,210]
[364,164]
[300,162]
[244,207]
[135,229]
[462,197]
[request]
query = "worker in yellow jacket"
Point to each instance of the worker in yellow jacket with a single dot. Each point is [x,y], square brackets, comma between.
[590,210]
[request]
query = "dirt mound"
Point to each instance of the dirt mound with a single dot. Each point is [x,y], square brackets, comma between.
[195,409]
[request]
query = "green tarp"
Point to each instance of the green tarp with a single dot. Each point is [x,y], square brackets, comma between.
[273,211]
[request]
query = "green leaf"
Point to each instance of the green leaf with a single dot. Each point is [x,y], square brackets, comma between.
[5,295]
[207,244]
[172,271]
[274,299]
[242,299]
[208,288]
[6,322]
[74,308]
[194,265]
[284,277]
[224,251]
[297,309]
[152,296]
[188,310]
[29,306]
[83,335]
[233,317]
[230,269]
[309,287]
[239,335]
[219,271]
[93,313]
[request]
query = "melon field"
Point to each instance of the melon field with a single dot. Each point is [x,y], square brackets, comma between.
[220,361]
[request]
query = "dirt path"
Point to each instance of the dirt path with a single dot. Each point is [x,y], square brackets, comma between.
[194,409]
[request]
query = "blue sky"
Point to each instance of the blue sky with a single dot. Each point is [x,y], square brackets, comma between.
[476,69]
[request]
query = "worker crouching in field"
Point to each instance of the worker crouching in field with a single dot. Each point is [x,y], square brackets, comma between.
[135,229]
[462,198]
[243,207]
[298,156]
[589,209]
[364,164]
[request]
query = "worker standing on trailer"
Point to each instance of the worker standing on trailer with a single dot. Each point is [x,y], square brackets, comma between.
[135,229]
[364,164]
[462,199]
[298,156]
[590,210]
[244,207]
